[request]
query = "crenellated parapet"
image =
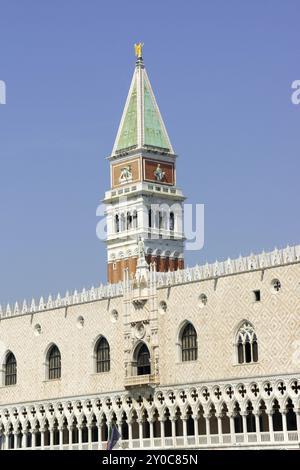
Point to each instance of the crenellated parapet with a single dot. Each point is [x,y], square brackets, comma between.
[262,261]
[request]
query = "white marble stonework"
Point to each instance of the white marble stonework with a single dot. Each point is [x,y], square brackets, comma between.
[212,401]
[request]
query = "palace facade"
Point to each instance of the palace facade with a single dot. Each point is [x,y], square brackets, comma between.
[202,357]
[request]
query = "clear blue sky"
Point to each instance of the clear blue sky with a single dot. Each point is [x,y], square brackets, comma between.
[222,74]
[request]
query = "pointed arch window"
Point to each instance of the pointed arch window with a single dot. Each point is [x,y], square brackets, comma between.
[54,371]
[10,369]
[189,347]
[143,361]
[246,344]
[102,356]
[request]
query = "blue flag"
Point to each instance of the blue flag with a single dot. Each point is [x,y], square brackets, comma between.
[113,437]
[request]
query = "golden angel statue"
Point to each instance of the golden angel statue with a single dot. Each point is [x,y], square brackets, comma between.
[138,49]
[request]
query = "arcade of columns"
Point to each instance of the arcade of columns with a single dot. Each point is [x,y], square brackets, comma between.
[255,414]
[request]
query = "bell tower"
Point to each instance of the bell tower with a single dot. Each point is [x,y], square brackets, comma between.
[144,202]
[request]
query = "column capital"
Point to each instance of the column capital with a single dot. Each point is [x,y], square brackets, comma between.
[162,419]
[152,420]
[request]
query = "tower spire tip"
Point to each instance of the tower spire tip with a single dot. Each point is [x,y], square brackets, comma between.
[138,49]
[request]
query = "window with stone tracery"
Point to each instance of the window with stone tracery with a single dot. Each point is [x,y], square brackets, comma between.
[189,347]
[10,370]
[54,371]
[246,344]
[102,356]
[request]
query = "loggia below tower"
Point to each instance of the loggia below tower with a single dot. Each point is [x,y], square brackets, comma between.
[144,202]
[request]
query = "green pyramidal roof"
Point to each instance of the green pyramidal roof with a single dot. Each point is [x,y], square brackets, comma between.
[128,135]
[154,134]
[141,124]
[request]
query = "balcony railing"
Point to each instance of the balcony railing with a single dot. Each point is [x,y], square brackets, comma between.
[263,440]
[140,380]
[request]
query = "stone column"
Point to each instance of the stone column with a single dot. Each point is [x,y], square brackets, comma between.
[42,430]
[244,418]
[119,426]
[184,426]
[90,436]
[130,434]
[298,422]
[162,432]
[99,425]
[24,439]
[207,425]
[173,424]
[33,438]
[140,421]
[219,418]
[151,433]
[6,440]
[51,430]
[196,429]
[16,434]
[257,426]
[271,431]
[61,437]
[232,431]
[70,436]
[79,436]
[2,447]
[284,426]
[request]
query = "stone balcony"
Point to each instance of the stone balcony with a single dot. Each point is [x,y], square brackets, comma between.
[141,380]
